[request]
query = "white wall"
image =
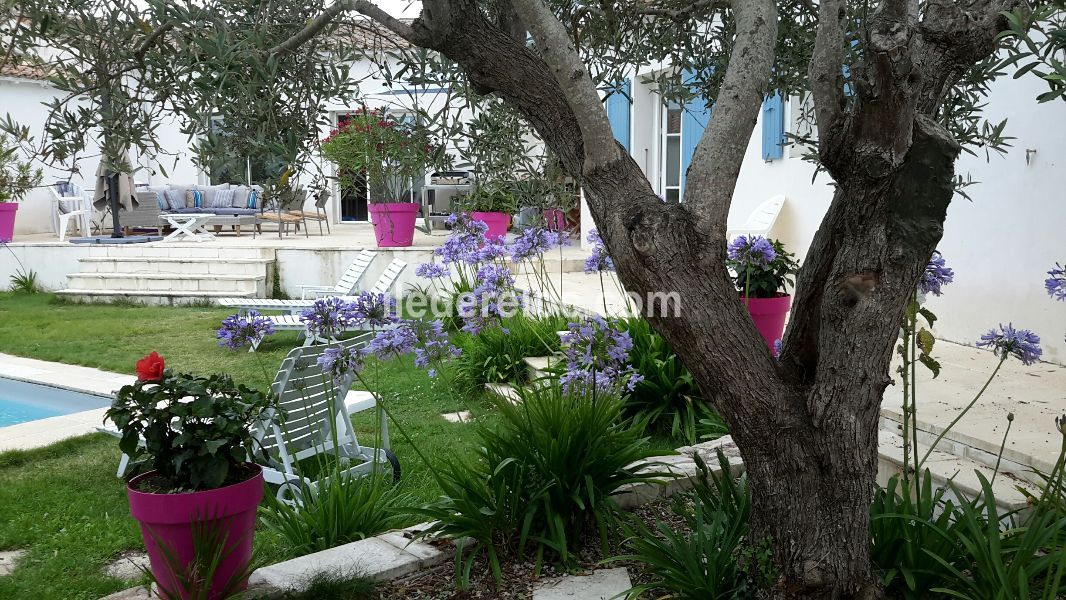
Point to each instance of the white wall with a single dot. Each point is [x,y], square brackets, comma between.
[25,101]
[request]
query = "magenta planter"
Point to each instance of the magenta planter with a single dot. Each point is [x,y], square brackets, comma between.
[555,218]
[497,222]
[7,220]
[769,315]
[394,223]
[168,521]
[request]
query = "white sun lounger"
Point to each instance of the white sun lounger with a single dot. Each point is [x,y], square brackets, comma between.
[315,424]
[382,286]
[761,220]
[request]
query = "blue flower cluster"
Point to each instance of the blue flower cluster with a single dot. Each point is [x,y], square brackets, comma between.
[1008,341]
[339,361]
[936,275]
[393,342]
[328,317]
[535,241]
[431,270]
[483,306]
[597,357]
[753,251]
[599,260]
[434,346]
[466,239]
[377,309]
[239,332]
[1056,283]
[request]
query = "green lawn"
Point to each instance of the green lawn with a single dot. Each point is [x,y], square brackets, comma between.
[65,505]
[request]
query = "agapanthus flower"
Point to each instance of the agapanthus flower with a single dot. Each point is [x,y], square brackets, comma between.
[393,342]
[377,309]
[599,260]
[464,242]
[1007,341]
[433,345]
[597,357]
[490,299]
[777,348]
[239,332]
[533,242]
[1056,284]
[492,249]
[328,317]
[431,270]
[340,361]
[936,275]
[753,251]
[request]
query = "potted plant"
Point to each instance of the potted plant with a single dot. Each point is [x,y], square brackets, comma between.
[16,179]
[493,204]
[763,272]
[390,154]
[196,435]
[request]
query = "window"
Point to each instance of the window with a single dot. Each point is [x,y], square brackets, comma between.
[671,166]
[801,123]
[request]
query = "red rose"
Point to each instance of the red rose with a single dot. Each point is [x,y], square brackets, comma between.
[150,368]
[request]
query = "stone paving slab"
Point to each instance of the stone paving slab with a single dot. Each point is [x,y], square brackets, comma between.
[602,584]
[9,560]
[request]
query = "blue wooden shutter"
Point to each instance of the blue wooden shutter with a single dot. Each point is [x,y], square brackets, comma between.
[694,120]
[773,127]
[618,107]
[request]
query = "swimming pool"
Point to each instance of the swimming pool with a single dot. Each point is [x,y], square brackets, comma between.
[22,401]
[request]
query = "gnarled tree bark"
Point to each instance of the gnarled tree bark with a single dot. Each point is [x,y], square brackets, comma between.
[806,424]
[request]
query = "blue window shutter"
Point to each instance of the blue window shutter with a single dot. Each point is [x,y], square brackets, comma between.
[773,127]
[694,120]
[618,107]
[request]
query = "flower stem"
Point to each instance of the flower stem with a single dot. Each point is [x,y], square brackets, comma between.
[961,413]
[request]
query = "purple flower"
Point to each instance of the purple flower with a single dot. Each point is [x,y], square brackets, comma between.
[597,357]
[377,309]
[464,242]
[339,361]
[777,348]
[599,260]
[1022,343]
[751,252]
[534,242]
[1056,284]
[329,317]
[489,251]
[431,270]
[241,332]
[393,342]
[491,298]
[936,275]
[434,347]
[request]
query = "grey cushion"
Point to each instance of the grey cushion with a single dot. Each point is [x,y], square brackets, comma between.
[210,191]
[240,196]
[175,199]
[223,198]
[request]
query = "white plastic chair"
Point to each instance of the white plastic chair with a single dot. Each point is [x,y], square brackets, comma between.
[347,284]
[761,220]
[71,202]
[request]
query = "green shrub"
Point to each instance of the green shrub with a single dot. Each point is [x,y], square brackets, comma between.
[25,282]
[668,395]
[544,478]
[703,562]
[343,509]
[495,355]
[914,535]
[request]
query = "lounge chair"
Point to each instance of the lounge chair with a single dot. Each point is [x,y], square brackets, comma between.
[761,220]
[319,215]
[314,423]
[293,307]
[68,202]
[348,282]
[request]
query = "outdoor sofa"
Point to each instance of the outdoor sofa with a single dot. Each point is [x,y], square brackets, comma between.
[233,205]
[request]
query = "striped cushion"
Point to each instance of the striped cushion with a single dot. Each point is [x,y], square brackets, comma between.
[253,198]
[175,199]
[223,199]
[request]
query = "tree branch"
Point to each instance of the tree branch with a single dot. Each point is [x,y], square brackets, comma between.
[364,7]
[712,176]
[826,76]
[573,77]
[679,15]
[150,41]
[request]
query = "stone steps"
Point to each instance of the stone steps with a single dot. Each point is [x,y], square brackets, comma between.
[163,273]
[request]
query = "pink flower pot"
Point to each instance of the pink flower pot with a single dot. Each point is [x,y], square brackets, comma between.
[555,218]
[7,220]
[394,223]
[167,525]
[497,222]
[769,315]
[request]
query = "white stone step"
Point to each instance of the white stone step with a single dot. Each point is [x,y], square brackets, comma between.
[177,250]
[160,298]
[167,282]
[945,466]
[175,266]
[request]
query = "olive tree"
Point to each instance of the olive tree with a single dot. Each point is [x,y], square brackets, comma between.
[893,84]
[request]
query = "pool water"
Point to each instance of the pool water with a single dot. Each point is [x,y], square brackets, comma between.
[22,401]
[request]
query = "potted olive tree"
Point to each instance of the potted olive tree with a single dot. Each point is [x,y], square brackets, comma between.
[391,154]
[763,270]
[493,204]
[16,179]
[196,481]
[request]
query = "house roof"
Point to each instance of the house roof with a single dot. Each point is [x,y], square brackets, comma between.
[368,34]
[22,71]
